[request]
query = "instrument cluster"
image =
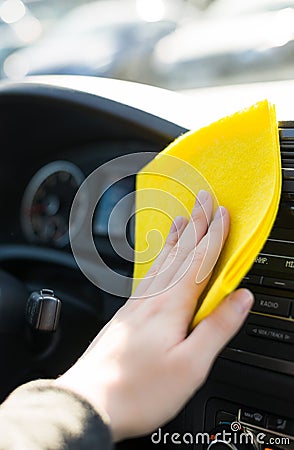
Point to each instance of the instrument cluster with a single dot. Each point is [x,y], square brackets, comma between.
[47,201]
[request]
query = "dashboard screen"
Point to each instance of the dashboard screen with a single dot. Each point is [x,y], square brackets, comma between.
[113,194]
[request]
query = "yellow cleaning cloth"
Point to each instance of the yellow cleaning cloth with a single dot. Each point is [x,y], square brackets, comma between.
[237,159]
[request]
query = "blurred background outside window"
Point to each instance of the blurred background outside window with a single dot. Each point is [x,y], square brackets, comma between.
[176,44]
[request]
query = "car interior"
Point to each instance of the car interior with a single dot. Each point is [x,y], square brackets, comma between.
[90,92]
[55,131]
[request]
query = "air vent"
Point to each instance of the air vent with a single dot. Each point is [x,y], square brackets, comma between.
[287,152]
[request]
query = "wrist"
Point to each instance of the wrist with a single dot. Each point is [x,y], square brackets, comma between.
[74,388]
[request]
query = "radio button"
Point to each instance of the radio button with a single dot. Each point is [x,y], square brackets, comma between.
[270,333]
[275,263]
[276,306]
[251,279]
[277,283]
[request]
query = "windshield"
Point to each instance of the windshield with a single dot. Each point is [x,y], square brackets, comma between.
[175,44]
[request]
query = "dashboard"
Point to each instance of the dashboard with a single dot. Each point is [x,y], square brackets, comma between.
[55,133]
[45,193]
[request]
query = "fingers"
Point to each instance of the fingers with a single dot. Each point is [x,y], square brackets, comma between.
[194,274]
[212,244]
[199,222]
[177,229]
[213,333]
[177,254]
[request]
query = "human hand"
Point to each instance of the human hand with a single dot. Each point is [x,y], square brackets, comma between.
[144,365]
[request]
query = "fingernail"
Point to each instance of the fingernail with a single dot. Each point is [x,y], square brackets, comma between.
[243,302]
[177,224]
[202,197]
[220,212]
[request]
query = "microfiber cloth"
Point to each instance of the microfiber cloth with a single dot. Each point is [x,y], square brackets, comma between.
[237,159]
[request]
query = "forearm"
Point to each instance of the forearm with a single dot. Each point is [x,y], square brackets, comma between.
[39,416]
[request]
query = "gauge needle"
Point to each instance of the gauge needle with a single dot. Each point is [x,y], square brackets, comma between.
[36,209]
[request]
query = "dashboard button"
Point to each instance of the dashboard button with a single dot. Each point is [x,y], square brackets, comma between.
[253,417]
[252,279]
[281,425]
[272,305]
[224,417]
[270,333]
[278,283]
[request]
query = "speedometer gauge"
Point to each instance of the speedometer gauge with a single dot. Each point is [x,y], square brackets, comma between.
[47,202]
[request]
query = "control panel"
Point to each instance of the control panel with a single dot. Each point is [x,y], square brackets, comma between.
[268,334]
[237,426]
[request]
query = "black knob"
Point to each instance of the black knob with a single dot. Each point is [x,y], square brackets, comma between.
[230,437]
[43,311]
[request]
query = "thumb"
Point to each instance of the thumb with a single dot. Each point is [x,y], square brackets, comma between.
[213,332]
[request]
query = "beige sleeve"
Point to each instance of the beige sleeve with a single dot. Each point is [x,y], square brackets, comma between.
[39,416]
